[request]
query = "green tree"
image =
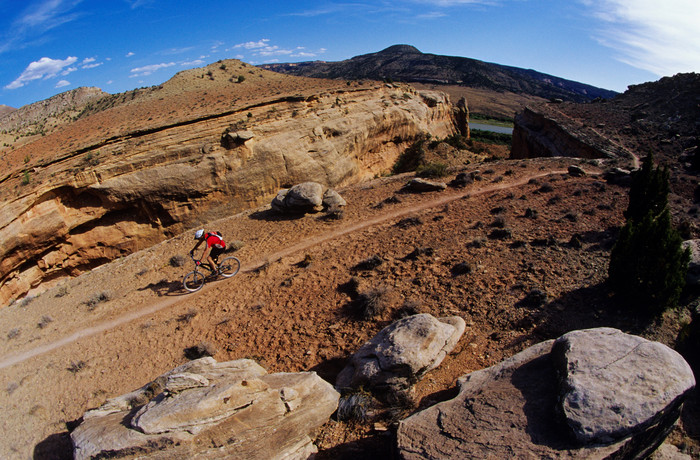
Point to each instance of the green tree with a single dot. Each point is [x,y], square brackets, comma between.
[648,191]
[647,264]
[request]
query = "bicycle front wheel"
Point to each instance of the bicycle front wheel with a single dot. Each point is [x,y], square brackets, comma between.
[193,281]
[229,267]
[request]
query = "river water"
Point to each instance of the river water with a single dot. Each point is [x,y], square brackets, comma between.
[493,128]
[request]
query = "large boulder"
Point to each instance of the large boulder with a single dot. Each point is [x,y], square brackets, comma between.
[205,409]
[693,276]
[521,408]
[403,352]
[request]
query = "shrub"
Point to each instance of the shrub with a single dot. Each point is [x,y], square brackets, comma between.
[44,321]
[648,264]
[372,303]
[356,406]
[241,79]
[431,170]
[97,299]
[177,260]
[412,157]
[76,366]
[648,190]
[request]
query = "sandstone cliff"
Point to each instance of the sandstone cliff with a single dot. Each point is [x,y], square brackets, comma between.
[88,204]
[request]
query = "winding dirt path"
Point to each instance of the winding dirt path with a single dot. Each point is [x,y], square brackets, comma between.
[298,247]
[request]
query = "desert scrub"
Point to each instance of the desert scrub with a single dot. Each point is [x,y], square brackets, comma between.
[76,366]
[371,303]
[97,299]
[356,406]
[431,170]
[13,333]
[44,321]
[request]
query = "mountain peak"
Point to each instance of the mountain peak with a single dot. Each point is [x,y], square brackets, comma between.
[400,49]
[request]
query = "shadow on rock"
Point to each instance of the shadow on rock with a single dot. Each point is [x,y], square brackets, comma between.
[58,446]
[329,369]
[377,447]
[536,380]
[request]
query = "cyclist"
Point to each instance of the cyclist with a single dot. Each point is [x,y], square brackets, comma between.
[215,246]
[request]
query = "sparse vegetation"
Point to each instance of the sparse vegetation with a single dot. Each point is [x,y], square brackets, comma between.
[76,366]
[356,406]
[97,299]
[13,333]
[44,321]
[371,303]
[431,170]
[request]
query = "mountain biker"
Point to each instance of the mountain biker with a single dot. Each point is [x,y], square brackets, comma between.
[215,246]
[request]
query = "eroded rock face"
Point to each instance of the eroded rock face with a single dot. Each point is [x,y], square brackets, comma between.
[543,131]
[116,197]
[403,352]
[514,409]
[206,409]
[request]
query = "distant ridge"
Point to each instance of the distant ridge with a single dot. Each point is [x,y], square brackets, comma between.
[406,63]
[5,110]
[55,106]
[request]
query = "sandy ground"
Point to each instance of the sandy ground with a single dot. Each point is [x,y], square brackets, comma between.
[114,329]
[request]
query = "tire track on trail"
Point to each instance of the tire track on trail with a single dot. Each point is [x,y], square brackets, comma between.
[297,247]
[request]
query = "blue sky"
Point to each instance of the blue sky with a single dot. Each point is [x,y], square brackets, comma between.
[51,46]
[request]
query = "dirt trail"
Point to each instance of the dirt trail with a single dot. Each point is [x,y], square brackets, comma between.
[298,247]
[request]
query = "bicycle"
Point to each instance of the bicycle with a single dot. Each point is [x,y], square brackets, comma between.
[194,280]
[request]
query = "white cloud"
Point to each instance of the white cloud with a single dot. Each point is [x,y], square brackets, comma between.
[149,69]
[254,45]
[66,71]
[37,18]
[129,54]
[660,37]
[92,66]
[88,60]
[62,83]
[43,68]
[192,63]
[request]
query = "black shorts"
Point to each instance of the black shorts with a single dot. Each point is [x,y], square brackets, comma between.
[216,252]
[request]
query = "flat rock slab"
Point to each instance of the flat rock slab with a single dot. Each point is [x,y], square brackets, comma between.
[615,384]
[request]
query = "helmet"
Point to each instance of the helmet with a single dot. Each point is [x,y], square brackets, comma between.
[198,234]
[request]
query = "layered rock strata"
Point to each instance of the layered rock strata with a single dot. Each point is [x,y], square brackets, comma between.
[204,409]
[128,192]
[544,131]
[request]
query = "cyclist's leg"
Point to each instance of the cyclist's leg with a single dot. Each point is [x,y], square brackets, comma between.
[214,257]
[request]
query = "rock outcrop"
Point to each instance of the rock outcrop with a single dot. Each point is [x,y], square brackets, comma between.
[419,185]
[104,200]
[544,131]
[205,409]
[401,354]
[596,393]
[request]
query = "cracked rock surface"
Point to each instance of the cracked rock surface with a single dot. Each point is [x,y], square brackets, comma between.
[219,410]
[511,410]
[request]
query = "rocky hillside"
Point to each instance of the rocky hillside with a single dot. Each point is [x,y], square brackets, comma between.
[137,168]
[27,123]
[659,117]
[408,64]
[5,110]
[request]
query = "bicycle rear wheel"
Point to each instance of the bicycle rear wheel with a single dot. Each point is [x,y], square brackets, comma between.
[229,267]
[193,281]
